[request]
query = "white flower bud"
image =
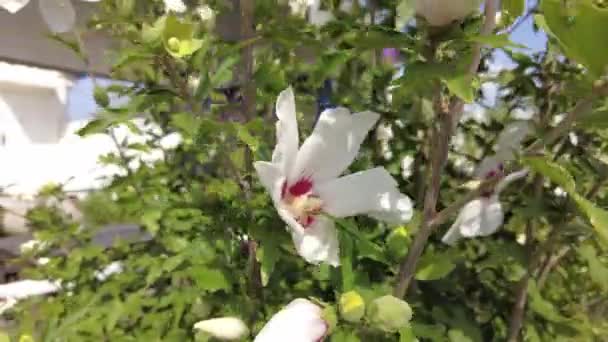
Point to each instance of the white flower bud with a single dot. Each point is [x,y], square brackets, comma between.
[224,328]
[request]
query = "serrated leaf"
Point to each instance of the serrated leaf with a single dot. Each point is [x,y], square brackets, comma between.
[597,216]
[463,86]
[581,29]
[555,172]
[209,279]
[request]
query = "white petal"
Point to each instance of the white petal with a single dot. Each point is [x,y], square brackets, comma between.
[58,14]
[13,6]
[175,6]
[333,145]
[509,179]
[113,268]
[372,192]
[27,288]
[7,303]
[480,217]
[300,321]
[487,166]
[271,177]
[453,235]
[224,328]
[510,139]
[397,208]
[287,131]
[318,243]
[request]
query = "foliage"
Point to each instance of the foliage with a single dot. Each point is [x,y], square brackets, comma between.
[219,247]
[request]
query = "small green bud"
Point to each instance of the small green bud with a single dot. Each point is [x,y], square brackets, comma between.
[101,96]
[352,306]
[397,242]
[389,313]
[173,44]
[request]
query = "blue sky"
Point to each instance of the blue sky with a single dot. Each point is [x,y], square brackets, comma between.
[82,106]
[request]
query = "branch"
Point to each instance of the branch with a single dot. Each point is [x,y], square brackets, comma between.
[582,107]
[551,263]
[521,294]
[455,207]
[441,139]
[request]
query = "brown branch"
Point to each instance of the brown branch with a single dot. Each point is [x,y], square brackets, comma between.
[441,140]
[521,294]
[550,264]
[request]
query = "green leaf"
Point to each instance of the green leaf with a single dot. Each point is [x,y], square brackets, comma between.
[153,34]
[595,120]
[407,335]
[433,332]
[497,41]
[597,271]
[581,29]
[209,279]
[186,122]
[267,255]
[512,9]
[346,261]
[150,220]
[365,247]
[541,306]
[405,12]
[223,74]
[434,266]
[458,336]
[597,216]
[4,337]
[100,95]
[347,335]
[555,172]
[246,137]
[463,86]
[94,126]
[178,37]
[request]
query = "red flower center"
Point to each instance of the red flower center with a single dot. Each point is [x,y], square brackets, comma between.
[300,201]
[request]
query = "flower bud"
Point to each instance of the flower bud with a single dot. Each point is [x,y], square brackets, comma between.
[100,95]
[444,12]
[389,313]
[352,306]
[173,44]
[225,328]
[397,242]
